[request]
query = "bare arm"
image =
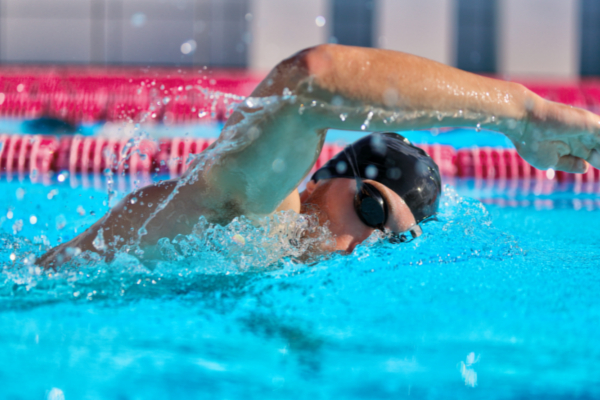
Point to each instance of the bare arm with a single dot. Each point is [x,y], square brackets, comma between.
[354,88]
[409,92]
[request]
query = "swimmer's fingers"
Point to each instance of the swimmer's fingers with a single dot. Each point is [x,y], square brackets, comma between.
[594,158]
[571,164]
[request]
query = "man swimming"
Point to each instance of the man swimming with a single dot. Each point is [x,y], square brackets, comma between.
[271,141]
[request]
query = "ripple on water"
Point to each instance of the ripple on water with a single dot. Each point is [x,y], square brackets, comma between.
[461,310]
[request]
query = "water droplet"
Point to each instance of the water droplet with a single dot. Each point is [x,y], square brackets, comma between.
[320,21]
[133,200]
[138,20]
[98,242]
[188,47]
[278,165]
[286,93]
[371,172]
[33,220]
[51,194]
[62,176]
[61,222]
[343,116]
[478,128]
[239,239]
[142,231]
[341,167]
[17,226]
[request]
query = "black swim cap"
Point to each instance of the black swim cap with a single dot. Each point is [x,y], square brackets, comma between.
[390,159]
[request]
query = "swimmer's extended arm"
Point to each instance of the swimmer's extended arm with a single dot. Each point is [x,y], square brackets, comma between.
[421,93]
[280,128]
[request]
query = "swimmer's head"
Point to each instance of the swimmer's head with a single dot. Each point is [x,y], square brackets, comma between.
[390,159]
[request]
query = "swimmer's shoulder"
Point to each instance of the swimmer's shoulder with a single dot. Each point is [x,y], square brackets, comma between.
[291,202]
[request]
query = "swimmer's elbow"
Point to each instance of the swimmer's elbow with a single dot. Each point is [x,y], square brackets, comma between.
[320,59]
[314,61]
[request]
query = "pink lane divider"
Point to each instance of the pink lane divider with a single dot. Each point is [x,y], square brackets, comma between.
[22,154]
[592,175]
[91,94]
[495,163]
[84,95]
[27,153]
[180,152]
[498,163]
[327,153]
[444,157]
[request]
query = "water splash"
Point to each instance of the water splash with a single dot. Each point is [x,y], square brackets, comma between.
[467,372]
[248,245]
[281,242]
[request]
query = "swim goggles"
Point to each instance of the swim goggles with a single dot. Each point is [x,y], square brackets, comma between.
[372,209]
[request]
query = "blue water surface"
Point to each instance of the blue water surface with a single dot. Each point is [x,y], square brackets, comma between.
[496,301]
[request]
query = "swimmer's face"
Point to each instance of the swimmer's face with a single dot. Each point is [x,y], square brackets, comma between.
[334,198]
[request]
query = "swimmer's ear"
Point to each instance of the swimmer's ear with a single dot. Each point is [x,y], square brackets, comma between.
[310,186]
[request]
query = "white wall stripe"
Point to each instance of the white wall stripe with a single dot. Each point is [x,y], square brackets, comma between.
[539,37]
[280,28]
[421,27]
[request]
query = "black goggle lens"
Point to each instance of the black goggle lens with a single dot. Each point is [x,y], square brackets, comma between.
[372,210]
[370,206]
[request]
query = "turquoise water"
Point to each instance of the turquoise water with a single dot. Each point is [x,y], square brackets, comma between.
[492,303]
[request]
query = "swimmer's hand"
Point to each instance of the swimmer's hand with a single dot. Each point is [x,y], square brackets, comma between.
[558,136]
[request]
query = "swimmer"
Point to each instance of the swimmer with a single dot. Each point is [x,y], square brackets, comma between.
[272,140]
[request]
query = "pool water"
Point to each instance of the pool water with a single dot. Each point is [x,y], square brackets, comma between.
[496,301]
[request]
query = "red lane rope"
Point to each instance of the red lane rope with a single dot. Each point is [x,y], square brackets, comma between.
[92,94]
[37,154]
